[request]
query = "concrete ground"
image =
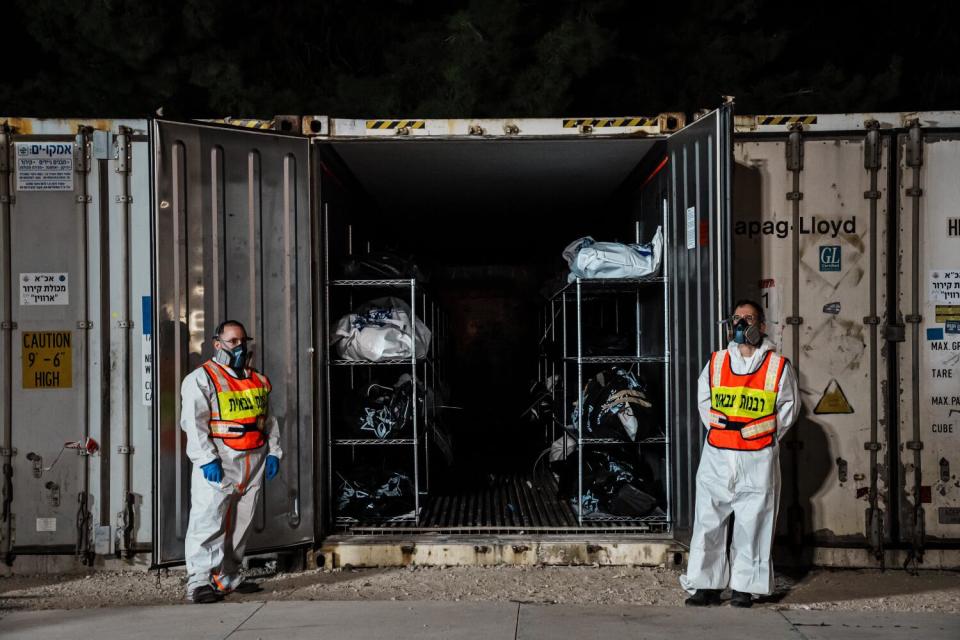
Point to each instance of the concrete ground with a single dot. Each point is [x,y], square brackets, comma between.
[461,621]
[892,591]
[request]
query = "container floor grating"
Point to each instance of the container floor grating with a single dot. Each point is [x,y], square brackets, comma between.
[511,504]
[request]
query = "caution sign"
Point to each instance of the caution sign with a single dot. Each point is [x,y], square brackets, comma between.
[47,359]
[833,400]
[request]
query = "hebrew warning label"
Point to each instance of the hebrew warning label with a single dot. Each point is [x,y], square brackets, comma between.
[945,286]
[44,166]
[47,359]
[44,288]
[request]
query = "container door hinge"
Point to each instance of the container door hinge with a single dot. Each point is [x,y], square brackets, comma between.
[795,320]
[121,150]
[794,148]
[82,151]
[5,147]
[871,320]
[84,199]
[914,144]
[84,324]
[913,319]
[124,199]
[872,195]
[914,193]
[7,453]
[794,195]
[8,199]
[125,324]
[872,147]
[914,445]
[8,326]
[872,446]
[126,451]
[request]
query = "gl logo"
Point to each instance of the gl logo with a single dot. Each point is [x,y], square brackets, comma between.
[830,258]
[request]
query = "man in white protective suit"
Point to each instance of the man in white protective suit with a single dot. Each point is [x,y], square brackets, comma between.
[233,443]
[748,399]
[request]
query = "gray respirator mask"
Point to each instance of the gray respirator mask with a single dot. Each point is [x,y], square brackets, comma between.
[745,333]
[235,358]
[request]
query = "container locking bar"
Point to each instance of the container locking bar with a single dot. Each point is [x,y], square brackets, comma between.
[872,161]
[794,162]
[7,325]
[914,160]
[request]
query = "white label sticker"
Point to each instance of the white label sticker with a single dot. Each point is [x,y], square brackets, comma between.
[146,393]
[46,524]
[692,228]
[44,166]
[945,286]
[44,288]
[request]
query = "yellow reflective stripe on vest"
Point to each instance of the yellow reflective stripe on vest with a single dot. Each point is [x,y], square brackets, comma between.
[718,361]
[242,406]
[773,368]
[220,429]
[743,402]
[760,428]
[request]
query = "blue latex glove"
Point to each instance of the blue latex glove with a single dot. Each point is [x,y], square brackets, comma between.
[213,471]
[273,465]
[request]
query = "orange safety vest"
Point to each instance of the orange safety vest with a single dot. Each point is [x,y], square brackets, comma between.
[240,408]
[743,408]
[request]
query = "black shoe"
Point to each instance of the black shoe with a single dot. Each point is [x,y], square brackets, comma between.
[703,598]
[206,595]
[741,599]
[248,586]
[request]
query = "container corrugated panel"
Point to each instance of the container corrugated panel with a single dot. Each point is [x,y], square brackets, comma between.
[71,319]
[234,230]
[826,469]
[929,260]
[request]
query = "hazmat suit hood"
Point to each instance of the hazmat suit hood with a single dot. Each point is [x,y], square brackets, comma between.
[734,349]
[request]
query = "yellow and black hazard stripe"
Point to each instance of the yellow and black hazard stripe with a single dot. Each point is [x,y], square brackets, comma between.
[395,124]
[246,123]
[596,123]
[775,120]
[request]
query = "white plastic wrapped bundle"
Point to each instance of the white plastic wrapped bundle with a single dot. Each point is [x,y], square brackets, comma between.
[591,259]
[380,330]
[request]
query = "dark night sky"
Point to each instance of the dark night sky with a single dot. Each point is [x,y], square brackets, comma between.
[474,59]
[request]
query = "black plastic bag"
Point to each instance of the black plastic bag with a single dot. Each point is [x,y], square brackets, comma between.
[367,493]
[381,265]
[616,406]
[380,412]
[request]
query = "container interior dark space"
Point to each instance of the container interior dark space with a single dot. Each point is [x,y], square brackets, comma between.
[487,221]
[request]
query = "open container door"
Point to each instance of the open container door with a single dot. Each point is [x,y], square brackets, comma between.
[699,283]
[232,229]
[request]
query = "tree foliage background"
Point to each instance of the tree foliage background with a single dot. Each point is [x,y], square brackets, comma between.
[477,58]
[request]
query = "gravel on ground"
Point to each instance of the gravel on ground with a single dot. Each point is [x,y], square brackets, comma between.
[850,590]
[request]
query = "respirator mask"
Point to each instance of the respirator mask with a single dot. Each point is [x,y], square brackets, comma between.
[745,333]
[235,358]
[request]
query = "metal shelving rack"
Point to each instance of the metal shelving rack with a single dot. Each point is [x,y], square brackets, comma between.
[422,309]
[566,306]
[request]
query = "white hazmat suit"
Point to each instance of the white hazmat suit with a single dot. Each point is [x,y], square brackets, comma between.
[744,483]
[220,513]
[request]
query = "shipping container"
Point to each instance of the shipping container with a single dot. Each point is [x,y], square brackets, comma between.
[838,220]
[76,338]
[840,225]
